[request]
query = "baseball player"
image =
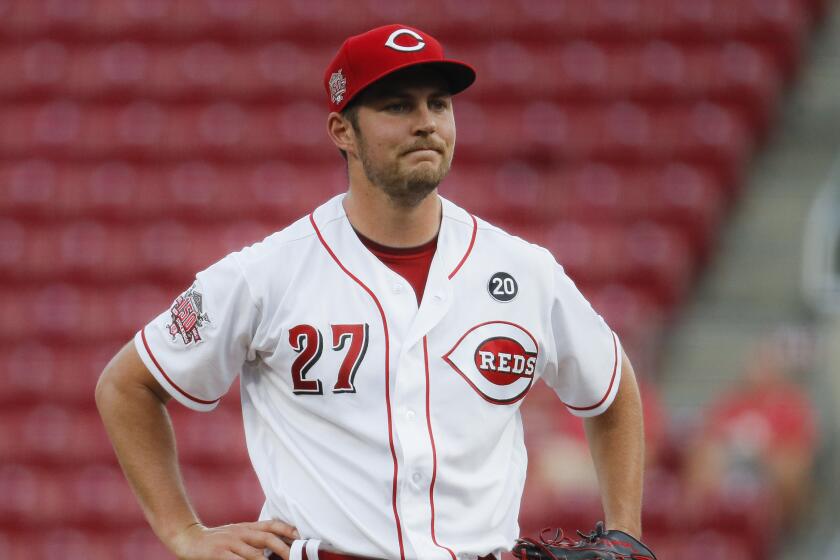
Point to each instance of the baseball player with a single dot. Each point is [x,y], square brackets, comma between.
[384,344]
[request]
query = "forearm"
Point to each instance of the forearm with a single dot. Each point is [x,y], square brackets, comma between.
[140,430]
[616,441]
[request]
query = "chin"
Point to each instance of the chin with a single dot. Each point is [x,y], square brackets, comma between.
[424,178]
[426,170]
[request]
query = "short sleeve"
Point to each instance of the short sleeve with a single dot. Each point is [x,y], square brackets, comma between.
[196,348]
[587,369]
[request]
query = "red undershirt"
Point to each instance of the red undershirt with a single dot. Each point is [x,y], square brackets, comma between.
[412,263]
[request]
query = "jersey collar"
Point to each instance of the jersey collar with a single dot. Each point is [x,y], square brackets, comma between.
[455,239]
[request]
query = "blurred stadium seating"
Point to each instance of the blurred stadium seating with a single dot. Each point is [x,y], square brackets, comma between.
[141,140]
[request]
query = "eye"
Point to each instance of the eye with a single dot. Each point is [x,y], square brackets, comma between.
[397,107]
[439,104]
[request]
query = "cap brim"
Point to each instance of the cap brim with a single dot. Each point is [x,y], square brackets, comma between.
[458,75]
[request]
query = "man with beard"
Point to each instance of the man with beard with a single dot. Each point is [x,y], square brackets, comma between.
[384,344]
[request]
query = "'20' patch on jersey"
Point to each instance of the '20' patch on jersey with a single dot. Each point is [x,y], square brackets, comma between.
[497,359]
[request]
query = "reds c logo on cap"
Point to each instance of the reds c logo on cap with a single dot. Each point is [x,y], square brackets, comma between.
[497,359]
[392,41]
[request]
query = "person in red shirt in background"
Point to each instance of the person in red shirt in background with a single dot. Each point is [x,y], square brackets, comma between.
[761,435]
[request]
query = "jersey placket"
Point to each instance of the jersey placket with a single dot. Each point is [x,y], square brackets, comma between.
[413,423]
[407,396]
[410,420]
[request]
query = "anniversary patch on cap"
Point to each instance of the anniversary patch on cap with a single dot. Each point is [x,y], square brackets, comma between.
[188,317]
[338,86]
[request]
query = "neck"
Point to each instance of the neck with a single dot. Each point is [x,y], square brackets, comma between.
[373,214]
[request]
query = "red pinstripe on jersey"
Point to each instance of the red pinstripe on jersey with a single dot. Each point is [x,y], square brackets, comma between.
[469,249]
[609,388]
[434,451]
[387,379]
[169,379]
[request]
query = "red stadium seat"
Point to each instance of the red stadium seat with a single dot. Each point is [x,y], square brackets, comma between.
[689,20]
[120,68]
[241,500]
[212,438]
[96,494]
[196,191]
[34,68]
[289,68]
[71,543]
[43,372]
[56,542]
[100,495]
[705,132]
[25,127]
[31,495]
[133,543]
[13,244]
[130,542]
[677,194]
[530,18]
[660,71]
[28,373]
[662,498]
[589,253]
[44,190]
[84,248]
[28,185]
[745,513]
[53,435]
[624,132]
[541,509]
[14,544]
[632,312]
[569,71]
[643,254]
[94,252]
[657,256]
[64,312]
[114,189]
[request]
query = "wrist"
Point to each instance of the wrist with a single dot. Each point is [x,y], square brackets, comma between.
[176,537]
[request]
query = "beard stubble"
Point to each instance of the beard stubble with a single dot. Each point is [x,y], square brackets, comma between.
[403,188]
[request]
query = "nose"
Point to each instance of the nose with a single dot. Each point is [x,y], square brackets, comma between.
[425,123]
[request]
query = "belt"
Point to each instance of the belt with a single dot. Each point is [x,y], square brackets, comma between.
[310,550]
[325,555]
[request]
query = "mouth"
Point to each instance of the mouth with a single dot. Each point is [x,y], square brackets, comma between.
[427,151]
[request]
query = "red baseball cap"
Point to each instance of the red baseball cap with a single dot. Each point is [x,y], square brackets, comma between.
[364,59]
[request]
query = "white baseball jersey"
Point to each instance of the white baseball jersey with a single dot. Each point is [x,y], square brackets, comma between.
[380,428]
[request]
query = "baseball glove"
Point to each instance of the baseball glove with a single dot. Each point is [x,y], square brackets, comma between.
[597,545]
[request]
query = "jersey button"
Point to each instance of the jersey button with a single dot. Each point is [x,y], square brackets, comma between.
[410,415]
[397,288]
[417,477]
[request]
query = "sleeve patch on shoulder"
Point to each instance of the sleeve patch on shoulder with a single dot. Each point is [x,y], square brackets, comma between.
[188,317]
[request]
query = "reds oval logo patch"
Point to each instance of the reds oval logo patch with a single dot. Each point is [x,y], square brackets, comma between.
[497,359]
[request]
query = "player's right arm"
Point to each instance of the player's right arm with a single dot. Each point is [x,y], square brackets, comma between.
[132,405]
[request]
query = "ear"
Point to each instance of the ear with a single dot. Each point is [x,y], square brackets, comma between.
[341,132]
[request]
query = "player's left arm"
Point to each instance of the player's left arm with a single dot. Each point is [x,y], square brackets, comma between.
[616,442]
